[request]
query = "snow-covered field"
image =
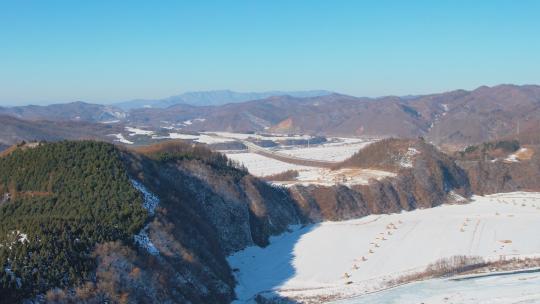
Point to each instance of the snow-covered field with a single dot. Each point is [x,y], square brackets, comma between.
[331,151]
[347,177]
[260,165]
[337,150]
[137,131]
[204,137]
[243,136]
[120,138]
[201,138]
[220,137]
[356,257]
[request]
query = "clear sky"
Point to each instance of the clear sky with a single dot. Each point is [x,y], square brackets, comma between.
[104,51]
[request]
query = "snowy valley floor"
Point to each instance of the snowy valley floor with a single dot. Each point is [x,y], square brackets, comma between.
[507,288]
[334,260]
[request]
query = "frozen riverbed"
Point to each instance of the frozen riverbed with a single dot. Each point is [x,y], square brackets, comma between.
[520,287]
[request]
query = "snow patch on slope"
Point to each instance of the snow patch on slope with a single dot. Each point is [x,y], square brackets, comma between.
[191,121]
[150,202]
[121,138]
[150,199]
[143,240]
[14,237]
[456,198]
[137,131]
[182,136]
[115,113]
[514,158]
[407,161]
[110,121]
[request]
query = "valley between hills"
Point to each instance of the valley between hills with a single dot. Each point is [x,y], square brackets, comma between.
[99,204]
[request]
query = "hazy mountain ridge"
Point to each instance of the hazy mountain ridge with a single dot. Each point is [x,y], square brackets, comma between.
[15,130]
[455,118]
[213,98]
[484,114]
[74,111]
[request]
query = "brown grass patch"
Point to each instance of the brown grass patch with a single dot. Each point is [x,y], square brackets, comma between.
[23,145]
[8,151]
[525,154]
[289,175]
[170,146]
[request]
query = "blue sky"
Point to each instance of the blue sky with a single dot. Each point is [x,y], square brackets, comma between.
[104,51]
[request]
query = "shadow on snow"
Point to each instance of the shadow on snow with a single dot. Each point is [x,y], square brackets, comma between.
[261,271]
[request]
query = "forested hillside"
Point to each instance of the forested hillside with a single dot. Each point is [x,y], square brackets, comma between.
[73,224]
[57,201]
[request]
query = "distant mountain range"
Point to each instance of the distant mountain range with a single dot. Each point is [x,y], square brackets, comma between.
[74,111]
[456,117]
[453,118]
[15,130]
[213,98]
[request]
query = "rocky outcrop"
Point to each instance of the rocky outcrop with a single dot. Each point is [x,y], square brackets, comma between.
[204,214]
[200,209]
[492,176]
[427,178]
[207,212]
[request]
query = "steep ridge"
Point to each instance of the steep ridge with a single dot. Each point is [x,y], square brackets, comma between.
[205,209]
[208,98]
[243,209]
[455,119]
[426,177]
[484,114]
[501,166]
